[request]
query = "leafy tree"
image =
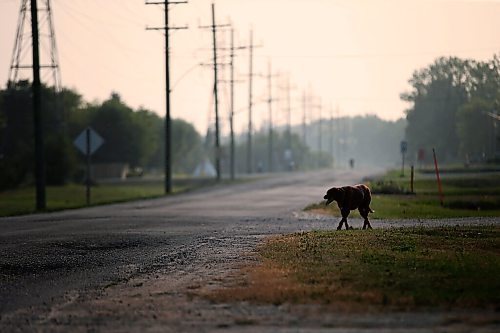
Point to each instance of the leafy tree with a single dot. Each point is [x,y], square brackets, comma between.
[186,147]
[476,129]
[16,147]
[438,92]
[113,121]
[449,102]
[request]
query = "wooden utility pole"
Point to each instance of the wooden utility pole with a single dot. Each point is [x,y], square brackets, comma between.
[168,129]
[213,27]
[232,81]
[231,115]
[320,129]
[330,127]
[216,99]
[250,47]
[289,116]
[37,113]
[304,112]
[270,108]
[250,104]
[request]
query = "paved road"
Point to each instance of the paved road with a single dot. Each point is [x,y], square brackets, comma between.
[143,265]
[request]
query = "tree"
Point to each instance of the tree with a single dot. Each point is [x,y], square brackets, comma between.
[438,92]
[450,101]
[16,147]
[187,149]
[476,130]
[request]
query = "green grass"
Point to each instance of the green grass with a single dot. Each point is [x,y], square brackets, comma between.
[22,201]
[451,267]
[469,195]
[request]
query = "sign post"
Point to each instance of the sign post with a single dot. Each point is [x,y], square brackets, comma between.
[88,142]
[404,148]
[440,188]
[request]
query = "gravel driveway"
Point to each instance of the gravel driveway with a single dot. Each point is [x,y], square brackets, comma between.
[142,266]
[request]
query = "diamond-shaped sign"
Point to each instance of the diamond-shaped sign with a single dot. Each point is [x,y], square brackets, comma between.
[404,147]
[90,136]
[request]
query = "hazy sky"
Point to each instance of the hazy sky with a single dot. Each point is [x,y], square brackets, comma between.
[352,54]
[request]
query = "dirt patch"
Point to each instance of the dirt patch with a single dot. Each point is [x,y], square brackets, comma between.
[387,270]
[208,287]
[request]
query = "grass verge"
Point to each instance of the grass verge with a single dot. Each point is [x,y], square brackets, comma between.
[447,267]
[22,200]
[469,195]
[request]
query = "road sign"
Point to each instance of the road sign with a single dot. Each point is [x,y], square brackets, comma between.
[88,142]
[95,141]
[404,147]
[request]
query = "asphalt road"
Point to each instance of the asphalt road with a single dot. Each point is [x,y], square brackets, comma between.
[134,266]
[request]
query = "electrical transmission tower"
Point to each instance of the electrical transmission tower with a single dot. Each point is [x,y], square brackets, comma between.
[43,56]
[21,64]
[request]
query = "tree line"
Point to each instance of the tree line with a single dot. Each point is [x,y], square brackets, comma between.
[454,107]
[132,137]
[367,140]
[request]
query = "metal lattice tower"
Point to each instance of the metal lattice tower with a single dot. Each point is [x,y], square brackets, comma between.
[21,63]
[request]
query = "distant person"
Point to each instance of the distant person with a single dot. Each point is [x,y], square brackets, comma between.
[351,163]
[260,167]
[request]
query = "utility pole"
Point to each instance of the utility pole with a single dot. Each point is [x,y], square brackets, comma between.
[216,101]
[231,115]
[289,116]
[270,101]
[250,103]
[168,129]
[214,27]
[331,132]
[250,46]
[37,113]
[320,129]
[304,120]
[338,134]
[232,81]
